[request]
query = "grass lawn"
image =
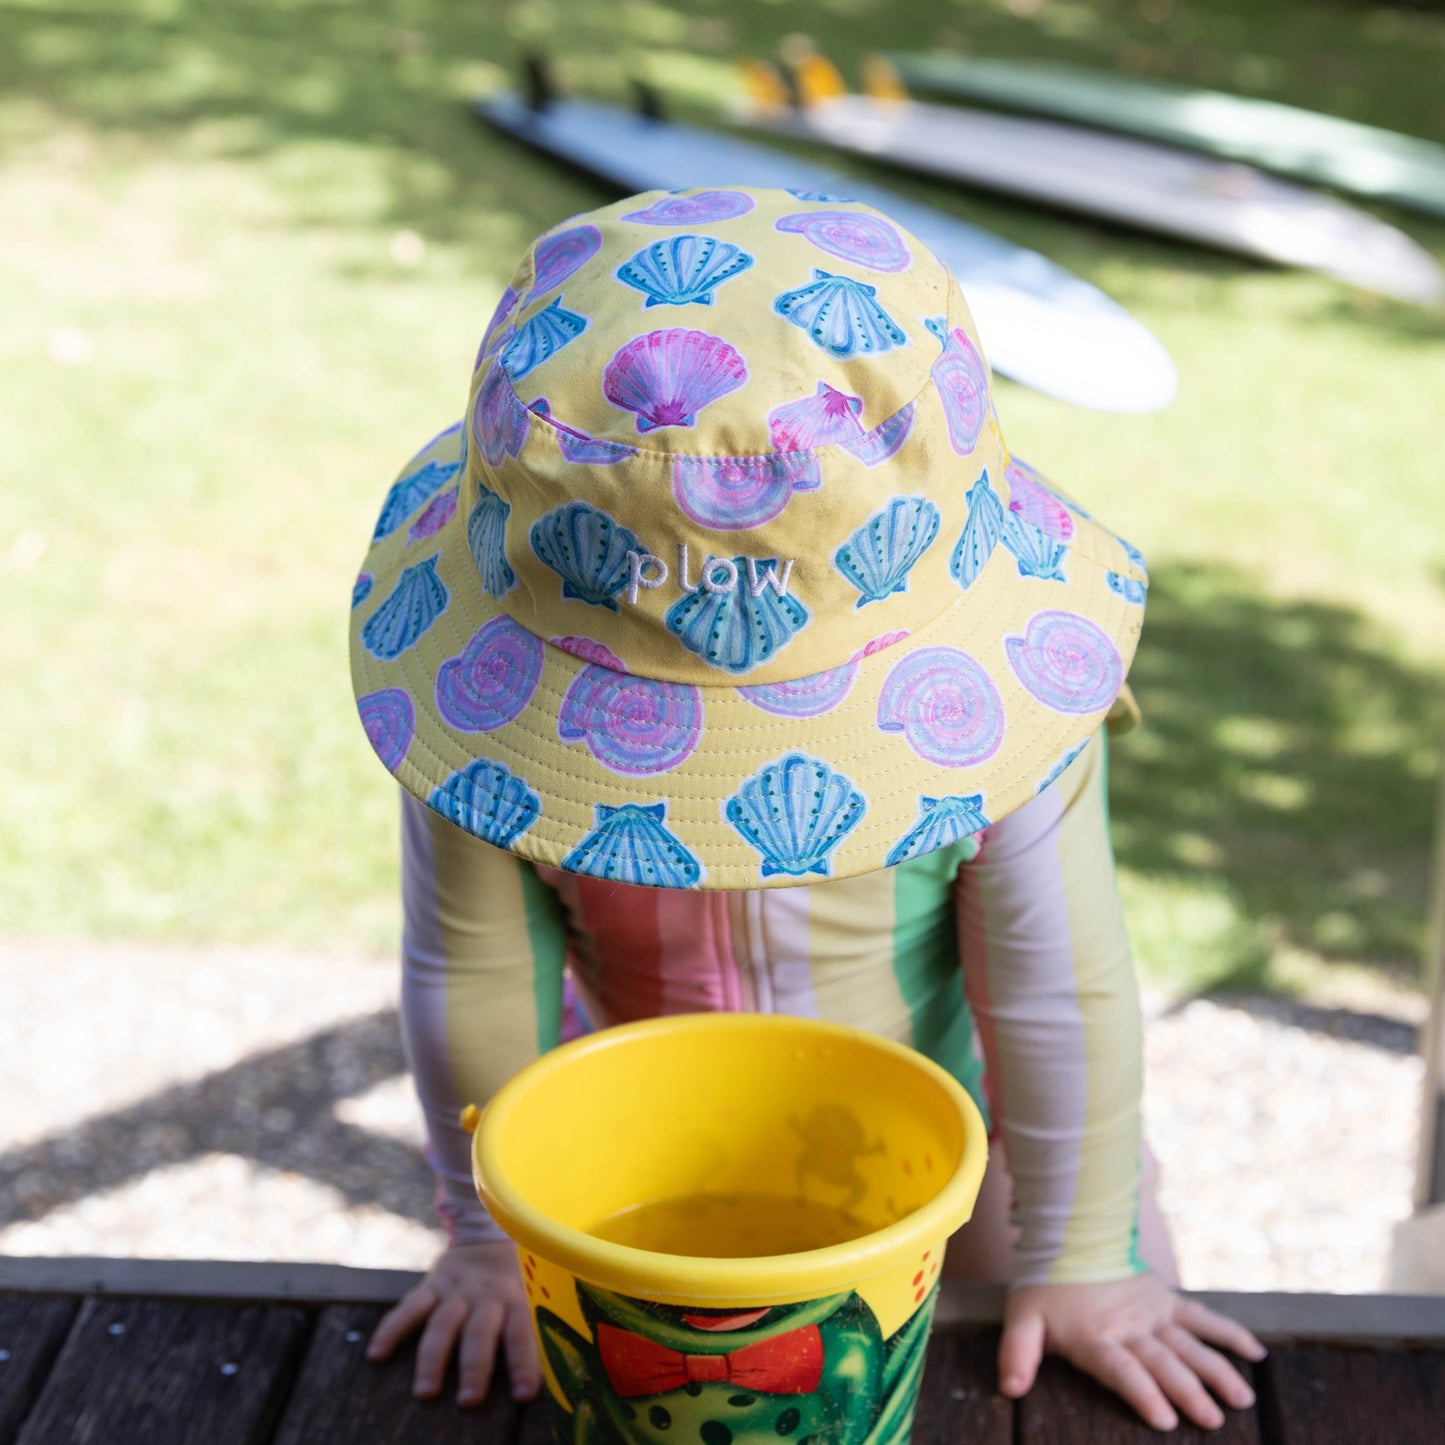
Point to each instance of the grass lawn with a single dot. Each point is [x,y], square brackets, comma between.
[247,254]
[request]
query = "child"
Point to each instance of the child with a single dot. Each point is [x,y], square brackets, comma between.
[727,660]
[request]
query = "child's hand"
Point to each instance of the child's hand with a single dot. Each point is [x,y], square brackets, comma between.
[472,1300]
[1136,1336]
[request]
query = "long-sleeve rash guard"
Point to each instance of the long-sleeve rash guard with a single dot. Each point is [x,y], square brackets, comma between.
[1002,957]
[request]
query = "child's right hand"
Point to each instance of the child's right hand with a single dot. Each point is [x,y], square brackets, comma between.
[472,1300]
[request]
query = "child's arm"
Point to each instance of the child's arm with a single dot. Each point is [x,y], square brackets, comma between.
[1051,983]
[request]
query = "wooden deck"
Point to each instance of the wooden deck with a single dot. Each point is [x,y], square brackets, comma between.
[128,1352]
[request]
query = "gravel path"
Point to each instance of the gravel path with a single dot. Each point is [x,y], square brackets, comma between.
[253,1104]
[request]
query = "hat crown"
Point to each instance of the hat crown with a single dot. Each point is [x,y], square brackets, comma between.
[694,440]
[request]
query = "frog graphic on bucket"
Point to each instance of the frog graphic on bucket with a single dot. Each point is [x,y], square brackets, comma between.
[652,1373]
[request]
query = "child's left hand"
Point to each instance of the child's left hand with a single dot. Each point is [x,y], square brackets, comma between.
[1137,1337]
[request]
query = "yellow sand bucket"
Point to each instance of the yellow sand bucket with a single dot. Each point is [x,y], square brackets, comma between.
[731,1225]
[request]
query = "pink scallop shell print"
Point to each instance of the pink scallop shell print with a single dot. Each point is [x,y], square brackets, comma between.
[690,210]
[667,377]
[851,236]
[1035,503]
[492,679]
[819,420]
[946,707]
[562,254]
[1067,662]
[962,386]
[635,726]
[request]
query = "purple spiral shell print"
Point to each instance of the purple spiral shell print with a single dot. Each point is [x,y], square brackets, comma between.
[851,236]
[803,696]
[435,515]
[731,494]
[499,420]
[492,679]
[562,254]
[819,420]
[1036,504]
[1067,662]
[691,210]
[667,377]
[576,445]
[946,707]
[962,386]
[390,722]
[590,650]
[635,726]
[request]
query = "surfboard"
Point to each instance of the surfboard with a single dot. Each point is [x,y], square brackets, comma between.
[1040,325]
[1138,183]
[1327,150]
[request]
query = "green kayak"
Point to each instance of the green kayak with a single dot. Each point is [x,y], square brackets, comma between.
[1324,149]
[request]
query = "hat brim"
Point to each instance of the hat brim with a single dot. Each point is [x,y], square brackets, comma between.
[904,749]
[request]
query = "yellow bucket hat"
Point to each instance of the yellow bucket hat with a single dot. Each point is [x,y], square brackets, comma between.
[728,580]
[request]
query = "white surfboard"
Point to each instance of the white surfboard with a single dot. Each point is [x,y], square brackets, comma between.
[1040,325]
[1153,187]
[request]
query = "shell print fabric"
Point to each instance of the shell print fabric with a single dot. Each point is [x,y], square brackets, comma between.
[497,326]
[667,377]
[499,420]
[982,530]
[587,550]
[361,588]
[1128,588]
[417,600]
[631,844]
[962,384]
[492,679]
[634,726]
[1034,503]
[390,723]
[576,445]
[434,516]
[732,494]
[562,254]
[1067,662]
[795,812]
[487,542]
[406,495]
[694,210]
[1056,772]
[737,630]
[878,557]
[941,823]
[683,270]
[883,443]
[945,705]
[539,337]
[489,801]
[819,420]
[810,696]
[843,316]
[852,236]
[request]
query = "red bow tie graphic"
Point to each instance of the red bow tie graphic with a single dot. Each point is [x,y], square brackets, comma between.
[790,1364]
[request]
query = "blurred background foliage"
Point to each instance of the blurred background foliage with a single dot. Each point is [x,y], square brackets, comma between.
[247,253]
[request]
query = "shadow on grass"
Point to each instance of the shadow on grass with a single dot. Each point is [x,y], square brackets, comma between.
[1290,757]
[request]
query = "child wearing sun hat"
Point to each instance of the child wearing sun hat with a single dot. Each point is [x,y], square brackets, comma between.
[728,659]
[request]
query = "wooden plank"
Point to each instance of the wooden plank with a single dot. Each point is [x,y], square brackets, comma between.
[1377,1319]
[1066,1407]
[958,1402]
[1346,1397]
[341,1397]
[136,1372]
[31,1334]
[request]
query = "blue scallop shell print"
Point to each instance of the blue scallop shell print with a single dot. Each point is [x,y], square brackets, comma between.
[795,812]
[683,270]
[811,696]
[1056,772]
[941,823]
[841,315]
[408,493]
[492,679]
[822,197]
[488,801]
[631,844]
[487,542]
[855,236]
[1067,662]
[695,210]
[945,705]
[587,550]
[499,420]
[562,254]
[417,600]
[361,588]
[732,494]
[539,337]
[938,325]
[666,377]
[635,726]
[878,557]
[1038,554]
[737,630]
[390,722]
[1128,588]
[883,442]
[982,530]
